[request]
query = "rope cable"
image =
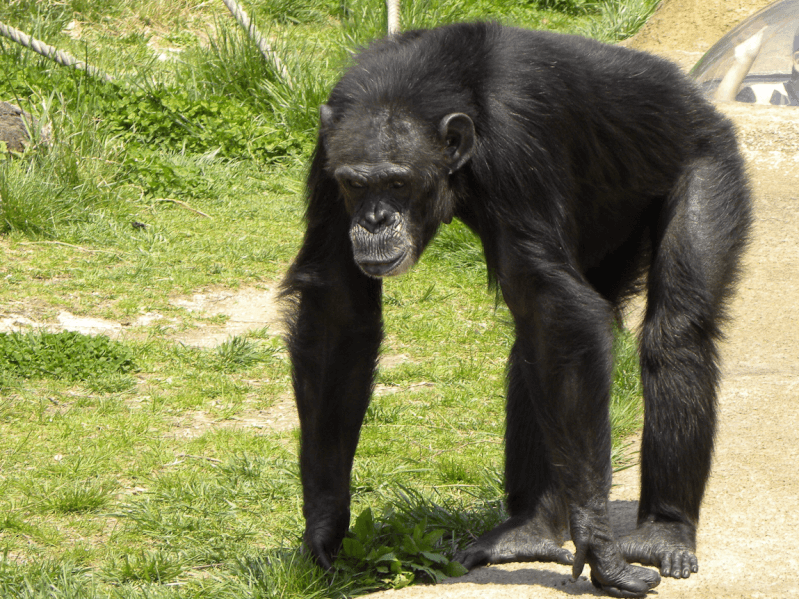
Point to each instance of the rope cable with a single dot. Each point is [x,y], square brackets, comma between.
[256,36]
[59,56]
[393,16]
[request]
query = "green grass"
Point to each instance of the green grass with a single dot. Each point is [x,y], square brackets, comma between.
[143,467]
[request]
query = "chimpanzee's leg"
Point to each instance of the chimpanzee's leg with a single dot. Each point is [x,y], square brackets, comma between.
[335,330]
[695,260]
[538,523]
[563,356]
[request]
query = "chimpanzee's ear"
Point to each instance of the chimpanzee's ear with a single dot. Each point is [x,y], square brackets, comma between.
[327,117]
[457,133]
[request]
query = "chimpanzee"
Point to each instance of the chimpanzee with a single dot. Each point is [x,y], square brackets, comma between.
[589,172]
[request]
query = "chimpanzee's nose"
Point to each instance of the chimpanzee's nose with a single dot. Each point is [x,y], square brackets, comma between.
[378,217]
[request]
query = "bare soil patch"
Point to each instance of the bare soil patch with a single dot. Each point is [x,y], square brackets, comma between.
[280,416]
[246,309]
[243,310]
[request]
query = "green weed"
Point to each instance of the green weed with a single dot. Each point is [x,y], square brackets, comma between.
[239,352]
[65,355]
[389,552]
[290,573]
[619,20]
[45,580]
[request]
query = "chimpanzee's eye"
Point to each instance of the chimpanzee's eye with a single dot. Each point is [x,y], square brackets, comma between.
[355,184]
[397,184]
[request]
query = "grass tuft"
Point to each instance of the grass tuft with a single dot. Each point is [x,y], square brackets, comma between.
[76,497]
[145,566]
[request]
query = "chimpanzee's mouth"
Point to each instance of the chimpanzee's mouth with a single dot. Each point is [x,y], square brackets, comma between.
[385,268]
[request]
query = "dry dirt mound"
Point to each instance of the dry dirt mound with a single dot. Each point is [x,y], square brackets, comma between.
[748,543]
[683,30]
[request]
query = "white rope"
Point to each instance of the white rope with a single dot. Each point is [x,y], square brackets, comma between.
[256,36]
[50,52]
[393,16]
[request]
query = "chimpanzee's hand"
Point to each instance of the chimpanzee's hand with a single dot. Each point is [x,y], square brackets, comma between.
[324,530]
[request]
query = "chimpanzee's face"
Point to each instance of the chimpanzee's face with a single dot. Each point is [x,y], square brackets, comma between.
[393,174]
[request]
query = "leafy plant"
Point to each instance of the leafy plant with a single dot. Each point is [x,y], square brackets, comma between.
[65,355]
[389,552]
[160,175]
[173,119]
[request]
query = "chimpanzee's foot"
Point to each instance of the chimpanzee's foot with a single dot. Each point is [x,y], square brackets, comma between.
[625,581]
[595,544]
[632,581]
[669,546]
[518,539]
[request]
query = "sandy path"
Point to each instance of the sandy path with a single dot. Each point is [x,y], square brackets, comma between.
[748,541]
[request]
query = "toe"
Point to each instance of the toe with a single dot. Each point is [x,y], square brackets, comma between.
[564,557]
[679,564]
[681,567]
[665,565]
[675,565]
[470,559]
[616,592]
[694,564]
[689,564]
[549,552]
[630,586]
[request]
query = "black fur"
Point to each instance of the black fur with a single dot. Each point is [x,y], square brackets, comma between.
[593,171]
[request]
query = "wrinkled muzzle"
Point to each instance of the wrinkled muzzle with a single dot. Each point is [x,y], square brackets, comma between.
[387,252]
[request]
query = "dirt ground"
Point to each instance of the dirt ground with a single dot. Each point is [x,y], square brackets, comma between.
[748,543]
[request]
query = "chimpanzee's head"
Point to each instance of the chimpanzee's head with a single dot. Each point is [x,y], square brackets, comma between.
[393,172]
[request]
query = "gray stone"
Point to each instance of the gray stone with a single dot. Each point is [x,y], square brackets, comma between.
[14,126]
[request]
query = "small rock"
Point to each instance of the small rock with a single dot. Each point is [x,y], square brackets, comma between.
[14,126]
